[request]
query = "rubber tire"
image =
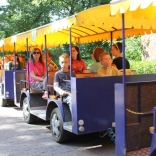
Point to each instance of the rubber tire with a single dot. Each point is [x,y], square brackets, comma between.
[28,118]
[62,135]
[3,102]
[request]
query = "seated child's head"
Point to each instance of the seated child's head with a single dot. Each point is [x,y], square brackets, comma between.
[64,61]
[22,58]
[49,56]
[105,60]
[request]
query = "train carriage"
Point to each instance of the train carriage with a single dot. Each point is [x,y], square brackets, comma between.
[134,113]
[95,103]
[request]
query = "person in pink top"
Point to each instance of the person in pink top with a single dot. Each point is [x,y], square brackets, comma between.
[37,73]
[77,63]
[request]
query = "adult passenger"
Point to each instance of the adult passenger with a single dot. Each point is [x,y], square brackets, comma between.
[77,63]
[15,63]
[117,53]
[51,65]
[95,56]
[37,72]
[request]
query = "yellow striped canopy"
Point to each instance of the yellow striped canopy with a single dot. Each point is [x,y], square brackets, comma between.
[95,24]
[136,8]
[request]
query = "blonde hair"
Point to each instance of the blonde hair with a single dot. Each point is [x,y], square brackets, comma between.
[103,54]
[65,56]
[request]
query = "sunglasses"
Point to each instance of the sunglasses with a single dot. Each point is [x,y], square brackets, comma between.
[36,52]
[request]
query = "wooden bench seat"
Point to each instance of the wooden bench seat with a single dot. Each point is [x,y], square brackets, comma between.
[81,75]
[52,73]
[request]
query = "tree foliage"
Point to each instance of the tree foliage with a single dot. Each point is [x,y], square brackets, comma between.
[143,67]
[65,8]
[133,48]
[22,15]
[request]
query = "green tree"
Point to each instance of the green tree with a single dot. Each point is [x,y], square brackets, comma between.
[65,8]
[22,15]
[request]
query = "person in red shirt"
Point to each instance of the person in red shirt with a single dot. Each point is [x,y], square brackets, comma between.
[77,63]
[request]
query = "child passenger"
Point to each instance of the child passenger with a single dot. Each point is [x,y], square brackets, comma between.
[23,61]
[51,65]
[107,69]
[62,79]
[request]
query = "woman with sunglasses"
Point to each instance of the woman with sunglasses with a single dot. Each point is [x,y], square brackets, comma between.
[37,73]
[15,63]
[116,51]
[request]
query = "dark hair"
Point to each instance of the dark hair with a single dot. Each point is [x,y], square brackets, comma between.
[78,55]
[31,56]
[118,46]
[19,63]
[97,52]
[15,54]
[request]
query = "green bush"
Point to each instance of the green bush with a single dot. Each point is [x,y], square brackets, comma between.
[133,48]
[143,67]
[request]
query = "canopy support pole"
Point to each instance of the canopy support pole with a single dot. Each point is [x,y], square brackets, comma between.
[3,55]
[27,48]
[14,46]
[70,48]
[123,48]
[111,40]
[45,45]
[123,76]
[15,55]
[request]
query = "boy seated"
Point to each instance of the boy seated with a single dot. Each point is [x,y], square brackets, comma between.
[107,69]
[62,79]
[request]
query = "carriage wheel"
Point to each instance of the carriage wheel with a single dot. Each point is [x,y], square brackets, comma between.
[28,118]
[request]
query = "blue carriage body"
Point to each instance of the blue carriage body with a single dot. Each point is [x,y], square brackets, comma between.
[92,101]
[7,85]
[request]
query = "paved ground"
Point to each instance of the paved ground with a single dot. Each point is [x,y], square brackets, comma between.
[18,138]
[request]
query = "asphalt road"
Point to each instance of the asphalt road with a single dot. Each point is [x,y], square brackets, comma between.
[18,138]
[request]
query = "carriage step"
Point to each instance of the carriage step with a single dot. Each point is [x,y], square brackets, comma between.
[151,129]
[67,126]
[39,112]
[17,104]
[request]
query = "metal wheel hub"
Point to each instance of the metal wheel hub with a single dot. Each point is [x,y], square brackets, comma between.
[55,125]
[25,108]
